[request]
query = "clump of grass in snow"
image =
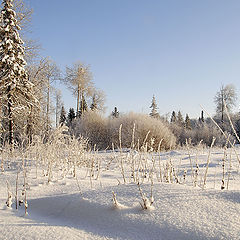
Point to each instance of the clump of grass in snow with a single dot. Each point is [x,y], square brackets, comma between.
[146,203]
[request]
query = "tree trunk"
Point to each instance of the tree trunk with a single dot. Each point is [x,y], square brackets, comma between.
[82,103]
[78,98]
[10,118]
[30,126]
[56,112]
[48,103]
[222,110]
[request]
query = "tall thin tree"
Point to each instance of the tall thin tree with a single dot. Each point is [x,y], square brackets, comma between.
[15,89]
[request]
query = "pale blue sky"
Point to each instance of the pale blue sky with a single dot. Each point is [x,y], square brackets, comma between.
[179,50]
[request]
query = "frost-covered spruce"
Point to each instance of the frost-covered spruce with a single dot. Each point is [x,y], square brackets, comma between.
[154,108]
[15,89]
[63,117]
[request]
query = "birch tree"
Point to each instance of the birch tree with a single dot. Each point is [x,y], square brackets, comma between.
[58,105]
[79,80]
[228,95]
[24,17]
[42,74]
[50,74]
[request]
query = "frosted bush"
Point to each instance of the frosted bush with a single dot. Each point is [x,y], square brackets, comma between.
[204,132]
[93,126]
[143,124]
[102,132]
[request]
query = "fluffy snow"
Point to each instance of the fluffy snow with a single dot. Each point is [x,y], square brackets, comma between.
[83,207]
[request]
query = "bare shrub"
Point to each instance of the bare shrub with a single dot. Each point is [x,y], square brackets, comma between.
[143,124]
[93,126]
[202,132]
[102,132]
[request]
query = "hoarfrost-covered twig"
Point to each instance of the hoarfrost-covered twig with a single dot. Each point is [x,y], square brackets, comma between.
[208,161]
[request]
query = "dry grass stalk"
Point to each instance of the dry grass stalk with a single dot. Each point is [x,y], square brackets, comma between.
[223,168]
[230,168]
[145,204]
[208,161]
[190,159]
[159,160]
[16,193]
[224,134]
[9,198]
[121,155]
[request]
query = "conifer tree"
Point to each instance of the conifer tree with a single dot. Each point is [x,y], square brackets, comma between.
[62,119]
[187,122]
[202,117]
[15,89]
[71,116]
[115,113]
[94,103]
[180,119]
[173,117]
[154,108]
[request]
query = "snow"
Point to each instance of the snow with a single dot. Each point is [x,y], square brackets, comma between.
[83,208]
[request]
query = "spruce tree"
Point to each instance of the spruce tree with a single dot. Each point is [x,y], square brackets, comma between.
[154,108]
[15,89]
[180,119]
[202,117]
[94,103]
[187,122]
[71,116]
[115,113]
[62,119]
[173,117]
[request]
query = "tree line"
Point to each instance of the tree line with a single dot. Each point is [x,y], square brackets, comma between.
[204,128]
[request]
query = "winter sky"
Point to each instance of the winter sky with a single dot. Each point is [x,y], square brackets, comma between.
[181,51]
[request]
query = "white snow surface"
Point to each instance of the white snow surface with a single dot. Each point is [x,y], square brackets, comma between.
[60,210]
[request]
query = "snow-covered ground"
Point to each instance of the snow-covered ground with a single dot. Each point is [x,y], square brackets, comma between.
[82,207]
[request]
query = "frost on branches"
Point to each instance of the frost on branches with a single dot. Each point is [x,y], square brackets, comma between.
[15,90]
